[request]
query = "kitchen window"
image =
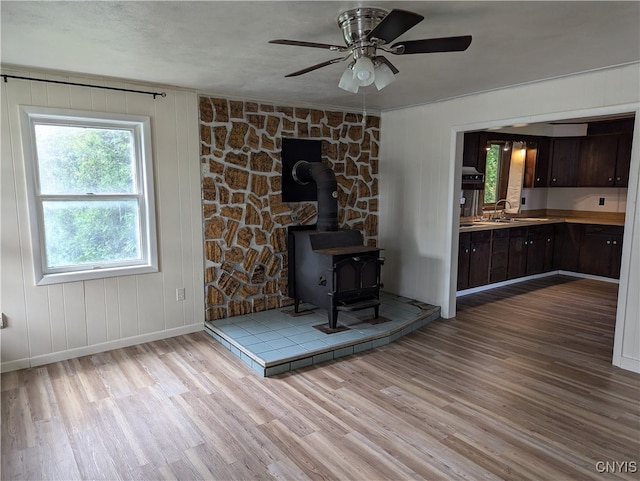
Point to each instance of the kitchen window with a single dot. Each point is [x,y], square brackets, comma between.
[497,172]
[90,194]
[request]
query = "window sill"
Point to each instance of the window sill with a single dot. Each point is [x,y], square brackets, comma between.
[98,273]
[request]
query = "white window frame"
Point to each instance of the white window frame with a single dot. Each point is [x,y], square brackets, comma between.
[140,126]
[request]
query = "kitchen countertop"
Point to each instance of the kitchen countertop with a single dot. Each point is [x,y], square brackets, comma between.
[529,221]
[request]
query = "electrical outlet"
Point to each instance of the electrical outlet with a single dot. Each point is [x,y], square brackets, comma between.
[523,201]
[601,201]
[180,294]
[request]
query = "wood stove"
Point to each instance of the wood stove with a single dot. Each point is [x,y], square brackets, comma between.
[333,270]
[328,267]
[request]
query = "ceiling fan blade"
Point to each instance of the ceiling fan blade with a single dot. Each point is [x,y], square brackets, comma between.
[389,64]
[299,43]
[432,45]
[394,24]
[316,66]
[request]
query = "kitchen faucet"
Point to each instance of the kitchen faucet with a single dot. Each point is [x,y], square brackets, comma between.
[495,207]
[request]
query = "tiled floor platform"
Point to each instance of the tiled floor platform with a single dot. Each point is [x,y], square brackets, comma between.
[277,341]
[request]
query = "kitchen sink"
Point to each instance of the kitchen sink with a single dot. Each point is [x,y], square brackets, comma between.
[508,220]
[504,220]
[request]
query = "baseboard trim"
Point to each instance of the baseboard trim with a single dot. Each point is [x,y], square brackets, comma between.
[473,290]
[627,363]
[96,348]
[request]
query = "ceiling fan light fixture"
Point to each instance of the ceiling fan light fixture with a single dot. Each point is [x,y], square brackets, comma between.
[383,76]
[363,71]
[348,82]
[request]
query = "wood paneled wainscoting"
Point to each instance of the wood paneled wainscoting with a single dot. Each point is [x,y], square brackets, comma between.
[519,386]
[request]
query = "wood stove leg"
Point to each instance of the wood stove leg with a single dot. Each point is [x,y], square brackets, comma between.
[333,317]
[296,305]
[376,311]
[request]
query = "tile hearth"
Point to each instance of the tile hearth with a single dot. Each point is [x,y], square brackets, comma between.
[276,341]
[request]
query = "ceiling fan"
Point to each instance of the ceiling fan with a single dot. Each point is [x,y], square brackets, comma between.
[366,30]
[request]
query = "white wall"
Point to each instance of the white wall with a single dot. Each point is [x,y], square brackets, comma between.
[61,321]
[576,198]
[420,163]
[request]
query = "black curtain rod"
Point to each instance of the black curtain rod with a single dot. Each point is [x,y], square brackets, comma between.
[155,94]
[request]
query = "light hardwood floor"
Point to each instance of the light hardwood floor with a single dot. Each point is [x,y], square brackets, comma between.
[519,386]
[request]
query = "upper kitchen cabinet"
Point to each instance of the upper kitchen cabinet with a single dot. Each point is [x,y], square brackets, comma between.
[543,163]
[474,153]
[564,161]
[605,154]
[623,160]
[597,161]
[604,160]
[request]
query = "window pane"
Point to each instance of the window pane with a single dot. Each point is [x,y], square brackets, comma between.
[81,160]
[91,232]
[491,174]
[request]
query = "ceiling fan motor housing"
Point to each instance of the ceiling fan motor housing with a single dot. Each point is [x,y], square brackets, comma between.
[358,22]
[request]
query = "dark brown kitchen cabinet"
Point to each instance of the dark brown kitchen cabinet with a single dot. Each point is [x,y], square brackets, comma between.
[464,254]
[543,163]
[564,161]
[530,250]
[597,161]
[473,259]
[499,255]
[474,152]
[539,249]
[601,250]
[567,247]
[549,239]
[623,160]
[517,252]
[470,149]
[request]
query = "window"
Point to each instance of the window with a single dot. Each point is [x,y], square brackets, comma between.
[90,189]
[496,171]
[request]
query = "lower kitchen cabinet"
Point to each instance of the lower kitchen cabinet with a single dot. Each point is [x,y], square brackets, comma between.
[499,255]
[464,254]
[601,250]
[539,249]
[518,240]
[567,247]
[474,258]
[530,250]
[490,256]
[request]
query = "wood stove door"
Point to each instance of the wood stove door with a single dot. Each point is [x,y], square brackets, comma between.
[356,277]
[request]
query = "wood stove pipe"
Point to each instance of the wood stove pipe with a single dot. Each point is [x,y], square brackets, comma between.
[304,172]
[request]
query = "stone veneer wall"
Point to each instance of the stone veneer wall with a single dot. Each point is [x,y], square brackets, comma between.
[245,220]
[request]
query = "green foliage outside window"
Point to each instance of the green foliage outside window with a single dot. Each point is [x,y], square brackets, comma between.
[82,171]
[491,174]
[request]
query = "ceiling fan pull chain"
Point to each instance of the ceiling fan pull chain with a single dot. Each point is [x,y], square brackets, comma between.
[364,107]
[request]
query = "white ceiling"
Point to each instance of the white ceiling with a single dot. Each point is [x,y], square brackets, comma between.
[221,47]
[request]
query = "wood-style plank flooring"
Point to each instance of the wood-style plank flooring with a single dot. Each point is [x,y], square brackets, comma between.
[519,386]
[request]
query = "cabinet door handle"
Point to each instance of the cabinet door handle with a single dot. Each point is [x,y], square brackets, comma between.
[610,179]
[466,251]
[473,250]
[554,179]
[618,178]
[537,179]
[615,242]
[548,239]
[608,242]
